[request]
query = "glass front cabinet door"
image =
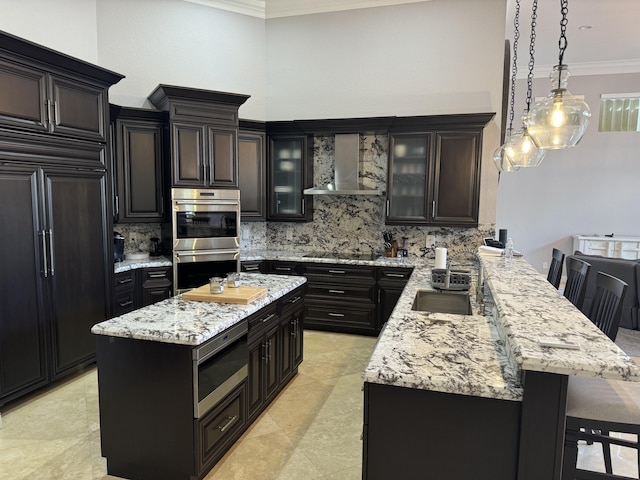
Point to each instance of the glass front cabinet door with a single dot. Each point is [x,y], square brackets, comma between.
[289,173]
[408,175]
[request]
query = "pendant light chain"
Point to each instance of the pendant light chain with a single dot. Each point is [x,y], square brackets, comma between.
[562,42]
[514,68]
[532,43]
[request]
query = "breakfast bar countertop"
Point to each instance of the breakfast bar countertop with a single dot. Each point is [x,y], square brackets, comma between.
[179,321]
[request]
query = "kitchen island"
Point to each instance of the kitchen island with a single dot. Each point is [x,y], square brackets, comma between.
[154,364]
[476,396]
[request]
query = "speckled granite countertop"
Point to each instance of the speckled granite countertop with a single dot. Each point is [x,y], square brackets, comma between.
[192,323]
[126,265]
[529,307]
[300,256]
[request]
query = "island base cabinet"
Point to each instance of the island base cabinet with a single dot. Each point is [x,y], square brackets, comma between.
[418,434]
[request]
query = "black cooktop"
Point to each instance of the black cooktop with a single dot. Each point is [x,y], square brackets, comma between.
[342,255]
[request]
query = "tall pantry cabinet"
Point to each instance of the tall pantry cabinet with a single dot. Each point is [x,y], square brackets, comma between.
[54,247]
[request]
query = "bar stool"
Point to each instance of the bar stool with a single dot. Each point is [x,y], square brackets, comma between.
[596,406]
[555,269]
[576,286]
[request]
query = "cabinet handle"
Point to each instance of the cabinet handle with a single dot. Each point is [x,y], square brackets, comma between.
[336,314]
[341,272]
[388,206]
[252,268]
[433,208]
[294,300]
[396,275]
[336,291]
[284,269]
[116,204]
[303,209]
[264,352]
[267,318]
[126,280]
[229,421]
[269,351]
[126,304]
[56,113]
[45,270]
[158,275]
[52,270]
[379,291]
[48,119]
[294,327]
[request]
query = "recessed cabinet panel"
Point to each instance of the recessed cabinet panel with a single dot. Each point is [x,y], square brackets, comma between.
[23,96]
[222,158]
[188,160]
[78,109]
[251,175]
[457,180]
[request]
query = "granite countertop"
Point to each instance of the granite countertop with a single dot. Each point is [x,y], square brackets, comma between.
[301,256]
[460,354]
[486,355]
[126,265]
[192,323]
[529,307]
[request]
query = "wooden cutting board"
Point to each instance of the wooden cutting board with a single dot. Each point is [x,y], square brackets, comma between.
[242,295]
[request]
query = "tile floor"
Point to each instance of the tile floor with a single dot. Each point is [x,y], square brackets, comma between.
[311,431]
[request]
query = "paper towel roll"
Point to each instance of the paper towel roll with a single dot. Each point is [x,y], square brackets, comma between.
[441,257]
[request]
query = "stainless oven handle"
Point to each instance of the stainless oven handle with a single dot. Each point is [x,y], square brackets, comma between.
[206,202]
[195,253]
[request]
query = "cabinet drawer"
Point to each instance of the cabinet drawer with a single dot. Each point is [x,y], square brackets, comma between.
[156,275]
[345,292]
[291,300]
[219,428]
[284,268]
[251,267]
[264,318]
[399,274]
[335,271]
[339,318]
[124,302]
[125,281]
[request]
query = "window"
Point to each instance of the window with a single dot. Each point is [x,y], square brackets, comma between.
[619,112]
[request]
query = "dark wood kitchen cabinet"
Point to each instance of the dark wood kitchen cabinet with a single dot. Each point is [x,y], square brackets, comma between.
[139,153]
[252,166]
[155,284]
[204,135]
[391,283]
[57,263]
[138,288]
[434,170]
[290,162]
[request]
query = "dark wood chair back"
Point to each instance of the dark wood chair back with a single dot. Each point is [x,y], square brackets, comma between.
[607,303]
[576,286]
[555,269]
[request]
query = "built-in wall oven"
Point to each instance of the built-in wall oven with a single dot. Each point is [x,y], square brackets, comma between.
[205,235]
[218,367]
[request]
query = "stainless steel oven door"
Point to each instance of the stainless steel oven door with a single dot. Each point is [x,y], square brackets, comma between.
[192,269]
[218,367]
[205,219]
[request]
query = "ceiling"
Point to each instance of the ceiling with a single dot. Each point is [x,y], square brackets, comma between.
[610,45]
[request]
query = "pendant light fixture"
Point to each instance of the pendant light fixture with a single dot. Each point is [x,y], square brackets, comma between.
[560,119]
[500,159]
[520,149]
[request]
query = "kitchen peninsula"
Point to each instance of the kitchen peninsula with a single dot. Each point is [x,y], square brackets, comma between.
[162,368]
[476,396]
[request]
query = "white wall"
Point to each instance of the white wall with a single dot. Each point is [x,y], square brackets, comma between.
[181,43]
[436,57]
[592,188]
[68,26]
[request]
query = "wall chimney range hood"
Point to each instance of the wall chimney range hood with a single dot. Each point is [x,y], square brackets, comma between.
[347,175]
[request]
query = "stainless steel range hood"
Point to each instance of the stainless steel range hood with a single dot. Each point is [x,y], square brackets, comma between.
[347,175]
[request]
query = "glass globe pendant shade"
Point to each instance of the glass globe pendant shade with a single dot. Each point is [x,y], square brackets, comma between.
[521,151]
[502,162]
[560,119]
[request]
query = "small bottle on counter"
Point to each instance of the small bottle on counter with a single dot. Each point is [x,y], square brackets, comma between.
[508,249]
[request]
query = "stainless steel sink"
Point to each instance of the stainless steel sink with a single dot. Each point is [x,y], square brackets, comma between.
[442,302]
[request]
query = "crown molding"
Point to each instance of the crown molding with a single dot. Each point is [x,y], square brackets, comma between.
[586,68]
[253,8]
[289,8]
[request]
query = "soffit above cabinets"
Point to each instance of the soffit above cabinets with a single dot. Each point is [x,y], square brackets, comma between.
[289,8]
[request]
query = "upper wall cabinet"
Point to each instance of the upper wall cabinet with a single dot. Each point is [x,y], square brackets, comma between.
[139,152]
[40,94]
[252,170]
[434,170]
[204,135]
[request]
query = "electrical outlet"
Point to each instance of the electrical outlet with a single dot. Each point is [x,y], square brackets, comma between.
[430,240]
[545,265]
[133,238]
